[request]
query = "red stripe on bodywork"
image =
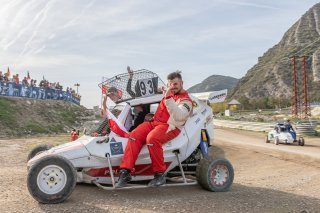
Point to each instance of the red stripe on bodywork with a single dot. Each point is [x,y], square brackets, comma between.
[139,170]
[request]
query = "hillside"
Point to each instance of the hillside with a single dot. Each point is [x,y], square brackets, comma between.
[213,83]
[20,116]
[272,75]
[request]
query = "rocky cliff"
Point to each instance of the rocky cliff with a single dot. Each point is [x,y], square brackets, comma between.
[272,75]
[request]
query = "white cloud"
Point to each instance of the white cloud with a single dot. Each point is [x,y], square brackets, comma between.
[249,4]
[83,40]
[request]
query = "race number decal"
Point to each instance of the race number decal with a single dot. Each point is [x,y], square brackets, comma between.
[146,87]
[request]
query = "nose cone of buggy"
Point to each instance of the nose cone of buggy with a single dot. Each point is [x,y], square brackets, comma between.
[72,150]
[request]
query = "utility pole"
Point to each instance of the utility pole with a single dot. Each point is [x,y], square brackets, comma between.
[77,85]
[294,109]
[306,103]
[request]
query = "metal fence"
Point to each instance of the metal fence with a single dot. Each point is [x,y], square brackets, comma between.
[307,128]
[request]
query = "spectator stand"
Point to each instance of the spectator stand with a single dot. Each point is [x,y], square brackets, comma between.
[46,90]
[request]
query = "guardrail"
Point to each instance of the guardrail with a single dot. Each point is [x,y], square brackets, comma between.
[305,128]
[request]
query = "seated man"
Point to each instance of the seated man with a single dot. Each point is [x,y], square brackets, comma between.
[114,95]
[171,115]
[290,129]
[148,117]
[140,112]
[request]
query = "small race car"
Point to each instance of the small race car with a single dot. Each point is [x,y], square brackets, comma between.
[54,172]
[282,133]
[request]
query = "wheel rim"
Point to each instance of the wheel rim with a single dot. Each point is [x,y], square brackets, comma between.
[51,179]
[219,175]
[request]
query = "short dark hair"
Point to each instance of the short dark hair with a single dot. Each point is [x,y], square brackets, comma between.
[174,75]
[112,90]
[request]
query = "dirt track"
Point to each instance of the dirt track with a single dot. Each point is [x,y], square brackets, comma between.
[268,178]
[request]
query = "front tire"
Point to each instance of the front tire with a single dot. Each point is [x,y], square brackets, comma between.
[51,179]
[215,175]
[276,141]
[267,140]
[38,149]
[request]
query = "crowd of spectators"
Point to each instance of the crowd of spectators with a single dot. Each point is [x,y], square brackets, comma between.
[28,82]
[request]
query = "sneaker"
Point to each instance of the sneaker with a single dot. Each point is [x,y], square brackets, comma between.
[158,180]
[124,178]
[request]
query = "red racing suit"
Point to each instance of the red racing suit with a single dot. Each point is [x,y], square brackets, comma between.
[157,132]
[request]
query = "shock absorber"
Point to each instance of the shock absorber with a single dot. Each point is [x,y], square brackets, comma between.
[204,143]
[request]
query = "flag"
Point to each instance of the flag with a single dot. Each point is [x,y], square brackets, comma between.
[43,77]
[115,126]
[104,89]
[8,73]
[28,76]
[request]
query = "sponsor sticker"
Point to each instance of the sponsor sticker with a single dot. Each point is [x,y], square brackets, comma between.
[116,148]
[187,107]
[113,140]
[194,114]
[204,112]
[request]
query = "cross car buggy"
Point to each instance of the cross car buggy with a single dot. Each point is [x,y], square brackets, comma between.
[281,133]
[54,172]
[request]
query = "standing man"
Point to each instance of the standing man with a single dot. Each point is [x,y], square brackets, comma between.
[74,135]
[171,115]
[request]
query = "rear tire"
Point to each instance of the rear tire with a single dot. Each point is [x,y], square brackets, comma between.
[301,141]
[199,168]
[38,149]
[51,179]
[215,175]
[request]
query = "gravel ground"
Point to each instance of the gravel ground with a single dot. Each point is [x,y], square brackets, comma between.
[266,180]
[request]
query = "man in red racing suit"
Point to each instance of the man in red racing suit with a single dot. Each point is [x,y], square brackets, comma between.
[171,115]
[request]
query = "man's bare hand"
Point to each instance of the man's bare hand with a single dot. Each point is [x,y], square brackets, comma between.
[168,91]
[103,113]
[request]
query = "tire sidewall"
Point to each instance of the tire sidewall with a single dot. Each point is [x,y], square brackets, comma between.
[206,175]
[37,150]
[59,197]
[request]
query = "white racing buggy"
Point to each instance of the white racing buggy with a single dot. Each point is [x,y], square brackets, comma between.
[54,172]
[282,134]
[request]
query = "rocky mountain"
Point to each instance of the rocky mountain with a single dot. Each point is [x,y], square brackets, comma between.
[213,83]
[272,75]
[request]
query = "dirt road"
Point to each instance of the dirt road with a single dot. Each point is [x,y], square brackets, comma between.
[268,178]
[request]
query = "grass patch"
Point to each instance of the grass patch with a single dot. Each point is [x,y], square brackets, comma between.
[68,116]
[7,112]
[56,128]
[36,128]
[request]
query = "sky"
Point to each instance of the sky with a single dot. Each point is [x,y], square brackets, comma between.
[81,41]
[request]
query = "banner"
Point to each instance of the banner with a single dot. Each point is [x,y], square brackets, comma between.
[18,90]
[212,97]
[218,96]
